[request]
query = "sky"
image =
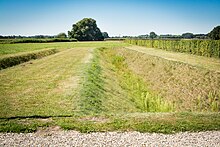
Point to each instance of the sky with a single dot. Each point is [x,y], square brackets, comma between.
[117,17]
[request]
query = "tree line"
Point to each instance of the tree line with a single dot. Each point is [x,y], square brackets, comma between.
[87,30]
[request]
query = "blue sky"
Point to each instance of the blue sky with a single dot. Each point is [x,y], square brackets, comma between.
[117,17]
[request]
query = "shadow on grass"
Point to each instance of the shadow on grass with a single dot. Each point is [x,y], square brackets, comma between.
[34,116]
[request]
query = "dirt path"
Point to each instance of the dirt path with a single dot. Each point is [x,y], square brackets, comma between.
[200,61]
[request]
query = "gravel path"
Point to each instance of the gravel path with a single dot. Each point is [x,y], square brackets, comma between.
[73,138]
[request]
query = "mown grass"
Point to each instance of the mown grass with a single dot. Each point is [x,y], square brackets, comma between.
[194,60]
[34,40]
[43,87]
[6,49]
[92,93]
[90,90]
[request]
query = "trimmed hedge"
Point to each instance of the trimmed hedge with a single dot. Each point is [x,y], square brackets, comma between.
[114,39]
[18,59]
[208,48]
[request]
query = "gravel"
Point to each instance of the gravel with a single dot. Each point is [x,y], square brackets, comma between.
[73,138]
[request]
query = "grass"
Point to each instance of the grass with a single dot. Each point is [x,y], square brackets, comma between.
[194,60]
[34,40]
[188,87]
[21,58]
[93,86]
[143,122]
[137,90]
[92,93]
[43,87]
[6,49]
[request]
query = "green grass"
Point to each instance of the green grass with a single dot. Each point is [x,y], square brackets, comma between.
[187,87]
[34,40]
[91,87]
[91,93]
[43,87]
[13,60]
[6,49]
[142,122]
[138,93]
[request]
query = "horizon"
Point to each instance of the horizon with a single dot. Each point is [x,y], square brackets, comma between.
[117,18]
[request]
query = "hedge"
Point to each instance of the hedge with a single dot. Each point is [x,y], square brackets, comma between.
[6,62]
[208,48]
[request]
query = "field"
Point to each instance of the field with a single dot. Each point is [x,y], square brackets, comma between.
[108,86]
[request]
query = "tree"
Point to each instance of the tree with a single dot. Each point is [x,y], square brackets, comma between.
[86,30]
[105,35]
[187,35]
[61,35]
[215,33]
[153,35]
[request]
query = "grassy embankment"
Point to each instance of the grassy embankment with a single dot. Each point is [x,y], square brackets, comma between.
[94,90]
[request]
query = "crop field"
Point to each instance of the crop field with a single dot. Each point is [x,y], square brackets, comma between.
[107,86]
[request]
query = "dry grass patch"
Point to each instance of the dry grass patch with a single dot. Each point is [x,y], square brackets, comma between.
[188,87]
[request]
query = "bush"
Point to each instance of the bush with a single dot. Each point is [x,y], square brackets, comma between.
[114,39]
[208,48]
[15,60]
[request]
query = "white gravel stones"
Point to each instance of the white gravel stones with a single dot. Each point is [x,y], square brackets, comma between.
[73,138]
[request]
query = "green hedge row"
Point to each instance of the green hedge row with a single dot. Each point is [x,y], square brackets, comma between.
[208,48]
[114,39]
[33,40]
[18,59]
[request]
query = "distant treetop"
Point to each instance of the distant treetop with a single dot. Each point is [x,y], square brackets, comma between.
[215,33]
[187,35]
[105,35]
[86,30]
[153,35]
[61,35]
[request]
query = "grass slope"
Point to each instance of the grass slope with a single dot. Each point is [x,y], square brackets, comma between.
[92,90]
[125,89]
[13,60]
[194,60]
[190,88]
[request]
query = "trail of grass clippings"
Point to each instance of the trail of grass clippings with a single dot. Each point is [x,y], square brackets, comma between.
[92,93]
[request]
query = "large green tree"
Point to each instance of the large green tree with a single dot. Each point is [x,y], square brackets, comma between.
[152,35]
[215,33]
[86,30]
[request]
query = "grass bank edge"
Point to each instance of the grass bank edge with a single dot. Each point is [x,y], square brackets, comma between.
[167,123]
[10,61]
